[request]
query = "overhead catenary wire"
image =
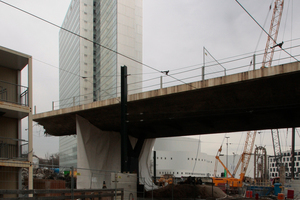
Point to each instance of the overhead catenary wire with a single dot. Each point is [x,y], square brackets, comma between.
[89,40]
[264,29]
[263,26]
[170,75]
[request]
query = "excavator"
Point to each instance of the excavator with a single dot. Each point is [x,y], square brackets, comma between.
[233,182]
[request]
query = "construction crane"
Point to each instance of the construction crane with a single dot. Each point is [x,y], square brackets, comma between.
[243,162]
[277,148]
[245,157]
[273,33]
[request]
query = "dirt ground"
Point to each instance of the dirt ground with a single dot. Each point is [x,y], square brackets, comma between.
[186,191]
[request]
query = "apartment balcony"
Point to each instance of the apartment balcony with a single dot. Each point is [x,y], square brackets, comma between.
[15,149]
[13,100]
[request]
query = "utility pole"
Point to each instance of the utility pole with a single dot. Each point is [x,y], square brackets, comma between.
[124,134]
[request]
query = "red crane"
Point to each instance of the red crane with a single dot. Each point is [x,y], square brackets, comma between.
[273,33]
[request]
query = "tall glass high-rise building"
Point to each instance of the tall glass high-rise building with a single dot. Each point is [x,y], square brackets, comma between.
[89,65]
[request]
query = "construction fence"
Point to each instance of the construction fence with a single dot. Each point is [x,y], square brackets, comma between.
[78,183]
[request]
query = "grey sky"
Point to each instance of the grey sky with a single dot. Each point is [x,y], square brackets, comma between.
[174,34]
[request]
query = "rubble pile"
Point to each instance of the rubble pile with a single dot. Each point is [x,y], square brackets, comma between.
[186,191]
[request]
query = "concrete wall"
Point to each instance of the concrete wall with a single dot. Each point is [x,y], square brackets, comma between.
[9,129]
[10,76]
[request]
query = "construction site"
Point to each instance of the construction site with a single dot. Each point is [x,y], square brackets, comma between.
[121,145]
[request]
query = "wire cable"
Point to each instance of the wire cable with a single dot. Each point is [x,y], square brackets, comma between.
[100,45]
[265,30]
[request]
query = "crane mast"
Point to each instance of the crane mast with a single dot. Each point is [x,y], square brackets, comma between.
[273,33]
[277,148]
[245,157]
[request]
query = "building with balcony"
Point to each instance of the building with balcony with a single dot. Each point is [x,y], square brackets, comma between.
[90,66]
[15,106]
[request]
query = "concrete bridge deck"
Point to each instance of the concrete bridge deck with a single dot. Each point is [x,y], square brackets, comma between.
[255,100]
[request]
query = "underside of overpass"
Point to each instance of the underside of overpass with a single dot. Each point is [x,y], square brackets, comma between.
[262,99]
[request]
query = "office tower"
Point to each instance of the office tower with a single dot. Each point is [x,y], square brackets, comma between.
[90,64]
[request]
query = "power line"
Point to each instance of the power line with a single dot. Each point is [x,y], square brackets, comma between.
[264,30]
[78,35]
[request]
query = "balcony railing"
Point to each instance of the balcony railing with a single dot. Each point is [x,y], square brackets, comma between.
[13,93]
[11,148]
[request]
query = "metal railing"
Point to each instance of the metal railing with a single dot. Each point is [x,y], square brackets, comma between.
[11,148]
[13,93]
[64,193]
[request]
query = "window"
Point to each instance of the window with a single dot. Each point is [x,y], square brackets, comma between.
[171,158]
[165,158]
[192,158]
[157,158]
[85,4]
[298,158]
[297,163]
[287,159]
[283,159]
[188,158]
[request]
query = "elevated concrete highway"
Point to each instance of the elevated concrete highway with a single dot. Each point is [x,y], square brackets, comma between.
[262,99]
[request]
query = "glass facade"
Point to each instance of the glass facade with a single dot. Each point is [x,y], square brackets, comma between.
[90,72]
[69,52]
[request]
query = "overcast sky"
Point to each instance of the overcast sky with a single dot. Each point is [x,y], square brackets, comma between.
[174,34]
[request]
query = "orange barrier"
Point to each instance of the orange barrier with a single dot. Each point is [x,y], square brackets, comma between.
[280,196]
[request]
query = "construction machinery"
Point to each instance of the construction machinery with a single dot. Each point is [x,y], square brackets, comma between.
[231,181]
[273,33]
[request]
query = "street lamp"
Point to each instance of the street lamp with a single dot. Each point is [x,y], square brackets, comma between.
[227,155]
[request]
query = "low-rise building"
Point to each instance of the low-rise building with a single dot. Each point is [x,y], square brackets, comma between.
[15,105]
